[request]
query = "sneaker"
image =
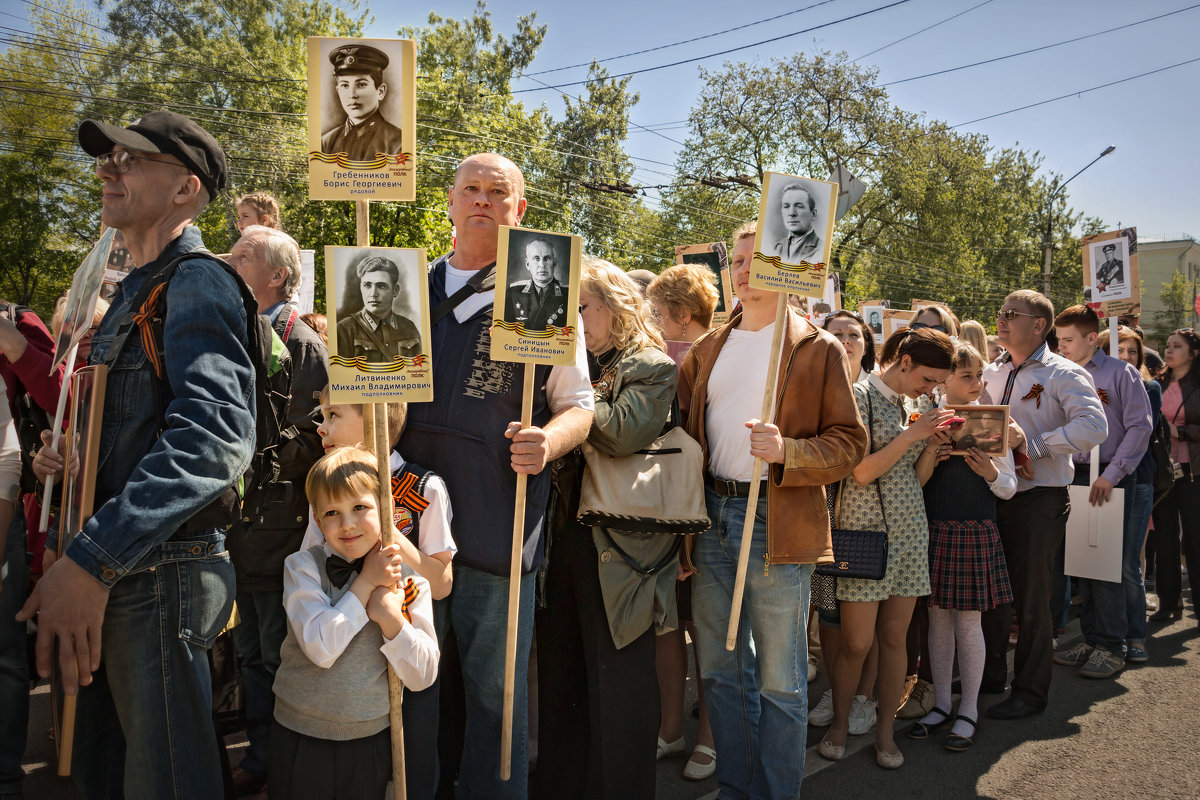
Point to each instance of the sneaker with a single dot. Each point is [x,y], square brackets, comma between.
[862,715]
[920,701]
[1102,664]
[822,713]
[1075,656]
[1137,654]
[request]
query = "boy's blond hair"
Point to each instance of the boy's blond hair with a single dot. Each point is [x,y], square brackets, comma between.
[397,415]
[342,471]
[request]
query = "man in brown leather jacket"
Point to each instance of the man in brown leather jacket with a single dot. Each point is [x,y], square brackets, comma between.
[757,699]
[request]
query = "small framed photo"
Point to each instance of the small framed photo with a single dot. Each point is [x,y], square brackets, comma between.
[362,107]
[1110,272]
[986,428]
[795,231]
[379,343]
[895,319]
[714,256]
[872,312]
[537,285]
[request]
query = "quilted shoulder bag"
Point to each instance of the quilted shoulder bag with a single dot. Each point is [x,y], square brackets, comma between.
[859,554]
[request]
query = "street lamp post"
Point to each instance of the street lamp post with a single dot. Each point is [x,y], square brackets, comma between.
[1048,244]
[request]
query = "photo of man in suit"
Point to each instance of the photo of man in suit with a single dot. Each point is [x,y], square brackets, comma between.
[376,333]
[798,209]
[358,80]
[540,301]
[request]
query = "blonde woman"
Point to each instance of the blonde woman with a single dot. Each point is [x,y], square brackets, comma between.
[683,299]
[937,317]
[598,702]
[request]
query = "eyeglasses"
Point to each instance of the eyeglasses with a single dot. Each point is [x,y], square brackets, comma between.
[916,326]
[119,161]
[1010,314]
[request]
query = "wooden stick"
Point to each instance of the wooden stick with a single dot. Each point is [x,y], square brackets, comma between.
[514,589]
[739,584]
[375,437]
[55,434]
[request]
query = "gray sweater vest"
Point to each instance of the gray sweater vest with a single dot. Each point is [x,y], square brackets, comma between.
[347,701]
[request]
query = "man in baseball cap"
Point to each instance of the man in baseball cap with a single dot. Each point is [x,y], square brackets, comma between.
[148,578]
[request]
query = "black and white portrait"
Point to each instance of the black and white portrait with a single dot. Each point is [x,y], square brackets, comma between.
[361,100]
[378,309]
[538,270]
[985,428]
[794,226]
[1109,279]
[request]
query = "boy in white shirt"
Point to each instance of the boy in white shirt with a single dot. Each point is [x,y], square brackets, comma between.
[345,626]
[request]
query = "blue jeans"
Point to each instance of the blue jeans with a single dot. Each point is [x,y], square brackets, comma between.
[144,725]
[1135,535]
[258,638]
[1103,617]
[14,664]
[757,695]
[479,624]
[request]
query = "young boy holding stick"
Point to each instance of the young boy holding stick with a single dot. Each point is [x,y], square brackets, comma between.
[346,624]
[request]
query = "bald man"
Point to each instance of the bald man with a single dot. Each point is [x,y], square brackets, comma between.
[470,438]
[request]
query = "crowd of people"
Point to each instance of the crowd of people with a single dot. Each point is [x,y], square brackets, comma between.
[859,439]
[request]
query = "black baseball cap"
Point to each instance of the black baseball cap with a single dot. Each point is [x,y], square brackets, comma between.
[162,132]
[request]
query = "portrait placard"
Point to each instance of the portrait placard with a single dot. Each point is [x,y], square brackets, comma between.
[1110,273]
[795,231]
[715,256]
[986,428]
[81,299]
[894,319]
[872,313]
[537,285]
[378,307]
[120,263]
[362,119]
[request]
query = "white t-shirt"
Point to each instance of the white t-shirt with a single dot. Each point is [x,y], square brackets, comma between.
[569,386]
[433,537]
[735,395]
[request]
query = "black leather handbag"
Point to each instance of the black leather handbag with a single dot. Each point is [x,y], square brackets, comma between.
[859,554]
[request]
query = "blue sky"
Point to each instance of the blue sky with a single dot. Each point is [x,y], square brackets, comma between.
[1152,180]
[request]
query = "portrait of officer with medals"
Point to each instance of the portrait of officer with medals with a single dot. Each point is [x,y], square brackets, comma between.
[1110,276]
[358,80]
[376,333]
[541,300]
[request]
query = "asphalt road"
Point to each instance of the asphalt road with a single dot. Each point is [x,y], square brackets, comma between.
[1133,736]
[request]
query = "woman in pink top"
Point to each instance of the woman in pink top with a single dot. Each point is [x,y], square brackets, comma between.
[1179,509]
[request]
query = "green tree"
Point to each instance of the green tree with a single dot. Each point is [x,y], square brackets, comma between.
[1177,296]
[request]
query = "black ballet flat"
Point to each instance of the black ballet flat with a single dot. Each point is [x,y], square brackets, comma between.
[923,730]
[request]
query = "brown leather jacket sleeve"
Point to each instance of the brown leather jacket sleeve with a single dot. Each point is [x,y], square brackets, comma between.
[840,440]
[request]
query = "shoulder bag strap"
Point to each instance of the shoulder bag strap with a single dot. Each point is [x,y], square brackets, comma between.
[481,281]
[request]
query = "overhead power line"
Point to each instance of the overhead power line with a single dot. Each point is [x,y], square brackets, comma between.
[918,33]
[720,52]
[682,41]
[1039,49]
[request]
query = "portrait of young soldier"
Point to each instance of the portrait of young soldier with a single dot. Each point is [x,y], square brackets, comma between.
[1110,276]
[377,333]
[358,80]
[540,300]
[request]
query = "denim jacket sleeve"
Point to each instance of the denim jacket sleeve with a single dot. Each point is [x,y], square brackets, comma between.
[209,433]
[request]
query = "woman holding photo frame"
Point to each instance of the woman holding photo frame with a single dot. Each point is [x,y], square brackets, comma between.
[885,494]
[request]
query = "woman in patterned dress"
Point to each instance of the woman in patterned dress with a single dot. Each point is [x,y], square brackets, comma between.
[885,494]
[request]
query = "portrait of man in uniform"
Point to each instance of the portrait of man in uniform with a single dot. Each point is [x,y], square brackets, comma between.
[540,300]
[1110,275]
[358,80]
[799,240]
[377,333]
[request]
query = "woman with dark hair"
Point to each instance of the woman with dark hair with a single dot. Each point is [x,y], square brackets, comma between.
[885,494]
[1178,510]
[855,336]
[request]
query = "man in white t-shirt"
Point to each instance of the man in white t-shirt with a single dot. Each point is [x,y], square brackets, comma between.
[757,697]
[468,436]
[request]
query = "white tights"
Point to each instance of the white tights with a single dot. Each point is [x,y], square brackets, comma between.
[946,629]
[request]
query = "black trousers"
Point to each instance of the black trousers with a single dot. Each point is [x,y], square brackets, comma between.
[302,767]
[598,707]
[1177,512]
[1033,525]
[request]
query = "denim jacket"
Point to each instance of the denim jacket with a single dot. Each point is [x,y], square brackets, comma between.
[148,485]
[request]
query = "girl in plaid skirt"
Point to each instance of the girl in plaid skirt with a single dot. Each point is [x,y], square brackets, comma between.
[967,572]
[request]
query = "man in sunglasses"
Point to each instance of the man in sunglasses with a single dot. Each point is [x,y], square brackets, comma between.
[148,578]
[1055,404]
